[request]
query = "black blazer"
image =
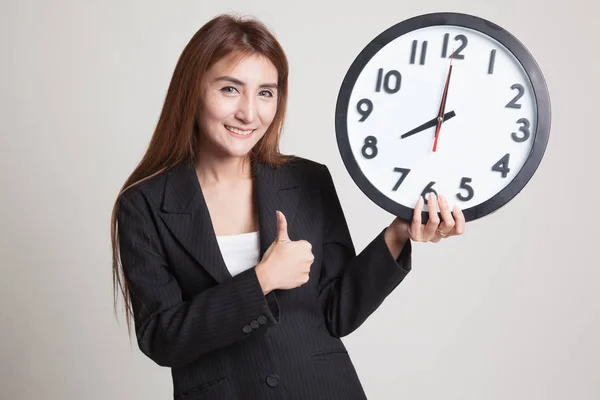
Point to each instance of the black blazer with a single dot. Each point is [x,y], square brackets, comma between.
[221,336]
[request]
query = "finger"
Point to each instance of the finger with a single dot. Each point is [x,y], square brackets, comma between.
[448,222]
[459,218]
[434,219]
[416,227]
[282,232]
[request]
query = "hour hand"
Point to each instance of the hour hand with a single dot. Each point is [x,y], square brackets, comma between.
[429,124]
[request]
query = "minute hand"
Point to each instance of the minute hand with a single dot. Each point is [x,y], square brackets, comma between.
[443,105]
[429,124]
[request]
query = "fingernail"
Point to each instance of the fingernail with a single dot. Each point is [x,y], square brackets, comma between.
[431,196]
[278,214]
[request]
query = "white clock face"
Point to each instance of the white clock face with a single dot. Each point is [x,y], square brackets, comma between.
[488,130]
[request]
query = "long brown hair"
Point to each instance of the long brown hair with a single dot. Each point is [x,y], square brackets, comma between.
[175,138]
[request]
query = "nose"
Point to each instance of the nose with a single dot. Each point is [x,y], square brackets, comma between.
[246,111]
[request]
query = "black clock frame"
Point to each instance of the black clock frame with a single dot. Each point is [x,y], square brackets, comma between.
[541,96]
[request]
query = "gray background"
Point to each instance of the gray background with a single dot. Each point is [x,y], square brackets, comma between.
[510,310]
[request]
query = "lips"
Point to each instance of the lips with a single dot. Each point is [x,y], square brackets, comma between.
[238,131]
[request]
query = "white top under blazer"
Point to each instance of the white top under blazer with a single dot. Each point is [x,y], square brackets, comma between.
[240,252]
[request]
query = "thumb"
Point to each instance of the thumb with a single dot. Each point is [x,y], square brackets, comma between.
[282,232]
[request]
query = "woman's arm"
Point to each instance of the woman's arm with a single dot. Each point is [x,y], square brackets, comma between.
[173,332]
[351,286]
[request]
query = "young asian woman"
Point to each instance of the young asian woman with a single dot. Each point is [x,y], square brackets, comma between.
[234,260]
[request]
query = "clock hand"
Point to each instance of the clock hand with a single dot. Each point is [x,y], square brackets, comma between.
[429,124]
[443,105]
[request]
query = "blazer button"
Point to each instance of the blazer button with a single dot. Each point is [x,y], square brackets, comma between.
[262,320]
[254,324]
[273,380]
[246,329]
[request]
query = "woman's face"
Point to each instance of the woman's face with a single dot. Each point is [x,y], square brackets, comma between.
[239,104]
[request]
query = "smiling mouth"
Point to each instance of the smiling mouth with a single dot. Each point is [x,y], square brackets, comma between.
[238,131]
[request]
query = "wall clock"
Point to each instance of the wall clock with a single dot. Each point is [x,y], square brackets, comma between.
[447,103]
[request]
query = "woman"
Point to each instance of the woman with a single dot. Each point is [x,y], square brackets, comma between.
[237,263]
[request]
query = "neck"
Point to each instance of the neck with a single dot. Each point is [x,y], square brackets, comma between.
[213,169]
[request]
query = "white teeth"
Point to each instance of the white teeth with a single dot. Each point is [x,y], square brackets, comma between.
[238,131]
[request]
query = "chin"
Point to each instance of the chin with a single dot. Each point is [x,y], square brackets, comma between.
[238,151]
[241,148]
[239,154]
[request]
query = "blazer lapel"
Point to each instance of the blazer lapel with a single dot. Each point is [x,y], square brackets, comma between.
[275,189]
[185,212]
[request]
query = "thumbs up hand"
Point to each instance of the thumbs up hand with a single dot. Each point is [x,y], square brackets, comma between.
[286,263]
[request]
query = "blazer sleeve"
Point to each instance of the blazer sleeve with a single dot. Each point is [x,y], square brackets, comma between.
[351,286]
[173,332]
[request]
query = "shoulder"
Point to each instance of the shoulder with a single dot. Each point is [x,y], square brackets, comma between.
[145,193]
[307,172]
[300,165]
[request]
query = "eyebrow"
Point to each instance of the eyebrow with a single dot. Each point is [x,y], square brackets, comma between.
[238,82]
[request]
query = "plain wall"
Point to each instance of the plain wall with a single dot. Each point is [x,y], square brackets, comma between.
[509,310]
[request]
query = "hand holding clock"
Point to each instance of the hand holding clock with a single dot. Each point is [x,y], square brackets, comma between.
[451,224]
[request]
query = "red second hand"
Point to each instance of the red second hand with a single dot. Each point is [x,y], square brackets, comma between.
[440,117]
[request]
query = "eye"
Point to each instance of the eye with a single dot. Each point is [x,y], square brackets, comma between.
[266,93]
[229,90]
